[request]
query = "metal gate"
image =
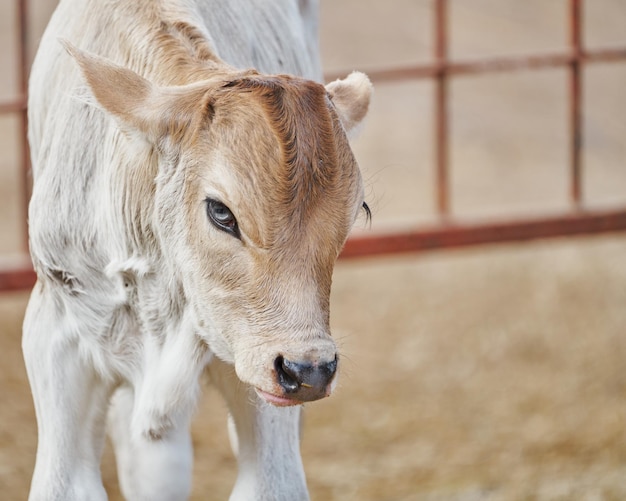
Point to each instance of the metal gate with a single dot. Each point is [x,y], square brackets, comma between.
[449,231]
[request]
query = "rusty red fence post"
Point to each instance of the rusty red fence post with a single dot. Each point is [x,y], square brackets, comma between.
[575,102]
[441,106]
[23,71]
[18,274]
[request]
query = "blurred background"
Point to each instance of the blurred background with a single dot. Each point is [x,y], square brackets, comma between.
[487,373]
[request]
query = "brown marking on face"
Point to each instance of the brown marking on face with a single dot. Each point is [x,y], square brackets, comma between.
[298,179]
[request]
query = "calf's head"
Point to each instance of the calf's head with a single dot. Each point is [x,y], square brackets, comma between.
[255,193]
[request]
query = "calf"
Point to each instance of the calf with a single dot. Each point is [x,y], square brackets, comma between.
[186,216]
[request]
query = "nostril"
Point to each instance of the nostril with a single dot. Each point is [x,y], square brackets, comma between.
[287,378]
[329,368]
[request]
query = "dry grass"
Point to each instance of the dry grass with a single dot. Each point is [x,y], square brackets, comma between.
[489,374]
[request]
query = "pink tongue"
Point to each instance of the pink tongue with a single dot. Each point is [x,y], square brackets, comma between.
[276,400]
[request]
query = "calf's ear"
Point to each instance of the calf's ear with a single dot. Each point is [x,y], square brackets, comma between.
[351,97]
[136,102]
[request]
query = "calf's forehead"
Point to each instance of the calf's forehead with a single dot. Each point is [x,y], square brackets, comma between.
[282,160]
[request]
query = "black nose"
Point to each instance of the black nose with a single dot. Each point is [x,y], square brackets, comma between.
[305,381]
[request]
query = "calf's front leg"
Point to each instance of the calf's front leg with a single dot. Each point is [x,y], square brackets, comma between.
[267,442]
[70,403]
[149,469]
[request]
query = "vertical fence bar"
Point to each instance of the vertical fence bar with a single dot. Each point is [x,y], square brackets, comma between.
[575,104]
[23,70]
[441,107]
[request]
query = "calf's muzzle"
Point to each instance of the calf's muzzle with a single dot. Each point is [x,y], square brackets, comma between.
[305,381]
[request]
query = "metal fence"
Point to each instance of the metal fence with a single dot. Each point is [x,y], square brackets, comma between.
[449,231]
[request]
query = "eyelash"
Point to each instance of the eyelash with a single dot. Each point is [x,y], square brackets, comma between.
[368,213]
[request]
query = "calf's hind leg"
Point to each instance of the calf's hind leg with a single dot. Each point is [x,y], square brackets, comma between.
[70,404]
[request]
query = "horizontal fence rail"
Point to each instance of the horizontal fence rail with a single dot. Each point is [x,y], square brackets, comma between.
[488,65]
[464,234]
[450,231]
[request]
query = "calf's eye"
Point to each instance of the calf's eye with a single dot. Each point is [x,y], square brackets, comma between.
[222,217]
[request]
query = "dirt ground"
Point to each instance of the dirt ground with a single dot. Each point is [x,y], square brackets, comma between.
[493,373]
